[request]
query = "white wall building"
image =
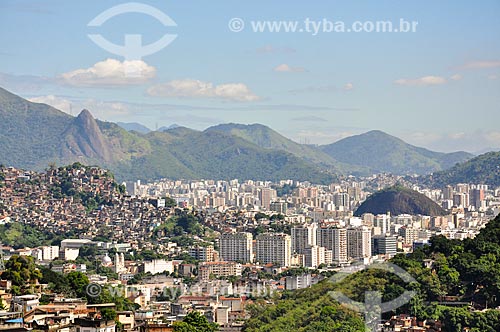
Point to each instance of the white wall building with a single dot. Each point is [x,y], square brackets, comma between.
[158,266]
[236,247]
[303,236]
[334,239]
[359,242]
[274,248]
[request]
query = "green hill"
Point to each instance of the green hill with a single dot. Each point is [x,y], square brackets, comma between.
[484,169]
[185,153]
[399,200]
[34,135]
[306,310]
[30,133]
[267,138]
[381,152]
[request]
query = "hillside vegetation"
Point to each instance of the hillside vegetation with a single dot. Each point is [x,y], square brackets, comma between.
[381,152]
[34,135]
[307,310]
[483,169]
[467,271]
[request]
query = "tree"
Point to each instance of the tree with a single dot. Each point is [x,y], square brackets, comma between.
[21,270]
[108,314]
[78,282]
[195,322]
[260,215]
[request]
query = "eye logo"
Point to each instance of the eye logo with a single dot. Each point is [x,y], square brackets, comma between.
[373,306]
[132,48]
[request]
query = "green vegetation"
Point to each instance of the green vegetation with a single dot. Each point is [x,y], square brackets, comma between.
[195,322]
[181,223]
[380,152]
[482,169]
[462,281]
[307,310]
[399,200]
[267,138]
[22,271]
[74,284]
[467,273]
[20,235]
[185,153]
[35,134]
[30,132]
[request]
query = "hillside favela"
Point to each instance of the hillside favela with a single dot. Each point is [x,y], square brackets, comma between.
[252,166]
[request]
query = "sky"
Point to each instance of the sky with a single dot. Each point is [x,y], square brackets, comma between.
[436,86]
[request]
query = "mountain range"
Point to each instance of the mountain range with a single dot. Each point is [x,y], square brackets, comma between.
[35,135]
[483,169]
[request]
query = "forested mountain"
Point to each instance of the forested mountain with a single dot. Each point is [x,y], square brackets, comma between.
[483,169]
[34,135]
[381,152]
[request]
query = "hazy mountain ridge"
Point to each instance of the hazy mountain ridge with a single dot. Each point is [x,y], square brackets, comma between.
[382,152]
[35,135]
[268,138]
[134,126]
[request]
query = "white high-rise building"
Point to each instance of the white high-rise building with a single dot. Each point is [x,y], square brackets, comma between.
[383,221]
[359,242]
[314,256]
[50,252]
[303,236]
[236,247]
[274,248]
[334,239]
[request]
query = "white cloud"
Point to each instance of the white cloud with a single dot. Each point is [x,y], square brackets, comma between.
[56,102]
[104,110]
[422,81]
[478,141]
[110,72]
[284,68]
[348,86]
[456,77]
[189,88]
[482,64]
[493,77]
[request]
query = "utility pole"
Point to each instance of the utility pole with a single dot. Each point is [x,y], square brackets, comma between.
[2,262]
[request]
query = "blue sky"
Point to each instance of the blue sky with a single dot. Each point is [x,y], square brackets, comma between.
[437,87]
